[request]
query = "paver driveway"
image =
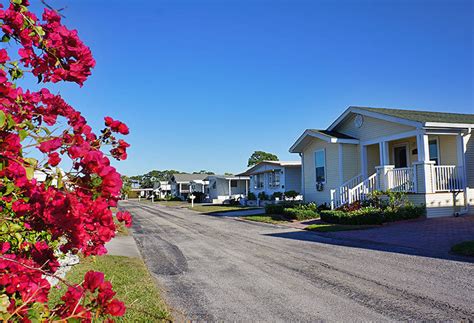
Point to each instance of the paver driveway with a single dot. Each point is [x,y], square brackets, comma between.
[215,268]
[429,236]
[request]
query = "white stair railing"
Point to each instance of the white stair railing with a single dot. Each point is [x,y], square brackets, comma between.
[340,195]
[401,179]
[360,191]
[448,178]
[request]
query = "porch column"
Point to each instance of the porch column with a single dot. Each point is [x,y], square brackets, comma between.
[363,160]
[383,177]
[423,147]
[461,157]
[384,155]
[246,187]
[230,187]
[424,168]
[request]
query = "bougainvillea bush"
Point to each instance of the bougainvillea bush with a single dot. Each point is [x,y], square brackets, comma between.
[69,211]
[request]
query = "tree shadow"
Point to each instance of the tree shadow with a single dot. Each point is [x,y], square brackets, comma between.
[328,238]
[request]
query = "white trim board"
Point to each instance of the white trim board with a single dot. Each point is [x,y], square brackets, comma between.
[373,115]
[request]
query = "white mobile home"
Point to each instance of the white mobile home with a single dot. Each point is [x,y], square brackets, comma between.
[181,184]
[428,155]
[274,176]
[223,188]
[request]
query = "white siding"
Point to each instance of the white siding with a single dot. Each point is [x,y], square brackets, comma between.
[332,171]
[293,179]
[373,158]
[350,161]
[371,128]
[447,150]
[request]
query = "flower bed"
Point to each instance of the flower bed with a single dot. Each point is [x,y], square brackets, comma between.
[376,210]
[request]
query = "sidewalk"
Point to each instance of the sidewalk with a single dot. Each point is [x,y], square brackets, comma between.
[123,246]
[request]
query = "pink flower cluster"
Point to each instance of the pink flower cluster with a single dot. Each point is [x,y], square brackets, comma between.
[69,211]
[54,54]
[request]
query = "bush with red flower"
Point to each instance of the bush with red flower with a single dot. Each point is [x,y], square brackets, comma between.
[67,212]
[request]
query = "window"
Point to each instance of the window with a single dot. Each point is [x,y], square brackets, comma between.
[214,185]
[233,183]
[434,151]
[258,181]
[274,179]
[320,163]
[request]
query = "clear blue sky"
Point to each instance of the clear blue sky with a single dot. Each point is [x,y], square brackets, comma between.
[202,84]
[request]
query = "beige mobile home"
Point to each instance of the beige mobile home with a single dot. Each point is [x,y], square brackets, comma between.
[428,155]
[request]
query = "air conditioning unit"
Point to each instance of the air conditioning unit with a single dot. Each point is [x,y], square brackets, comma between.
[319,186]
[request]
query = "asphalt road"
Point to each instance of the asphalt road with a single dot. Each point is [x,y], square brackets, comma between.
[216,268]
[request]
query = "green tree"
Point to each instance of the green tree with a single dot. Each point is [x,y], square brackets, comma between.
[126,185]
[204,172]
[260,156]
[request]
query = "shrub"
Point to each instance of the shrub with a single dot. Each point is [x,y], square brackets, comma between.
[367,215]
[404,213]
[291,194]
[277,195]
[300,214]
[372,215]
[263,196]
[174,198]
[251,196]
[323,207]
[274,208]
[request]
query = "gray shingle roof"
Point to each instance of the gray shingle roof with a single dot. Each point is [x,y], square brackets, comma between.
[334,134]
[423,116]
[189,177]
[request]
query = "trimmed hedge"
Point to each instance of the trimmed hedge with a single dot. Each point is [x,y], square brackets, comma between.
[294,210]
[372,215]
[300,214]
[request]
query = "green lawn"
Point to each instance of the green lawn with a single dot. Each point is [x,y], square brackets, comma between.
[216,208]
[132,282]
[173,203]
[265,218]
[328,227]
[465,248]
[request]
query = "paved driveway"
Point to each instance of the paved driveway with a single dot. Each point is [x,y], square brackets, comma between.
[432,237]
[218,268]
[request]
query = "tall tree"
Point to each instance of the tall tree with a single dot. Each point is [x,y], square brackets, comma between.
[260,156]
[205,172]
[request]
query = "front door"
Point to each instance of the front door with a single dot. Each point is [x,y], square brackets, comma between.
[400,155]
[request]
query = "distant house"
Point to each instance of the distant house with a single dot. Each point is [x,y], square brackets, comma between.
[223,188]
[200,186]
[181,184]
[428,155]
[274,176]
[134,183]
[162,189]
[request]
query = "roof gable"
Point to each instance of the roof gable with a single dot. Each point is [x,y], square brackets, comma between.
[424,116]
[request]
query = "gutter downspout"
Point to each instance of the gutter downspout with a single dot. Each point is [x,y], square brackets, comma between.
[302,176]
[464,210]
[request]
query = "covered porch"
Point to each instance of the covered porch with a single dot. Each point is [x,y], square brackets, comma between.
[422,162]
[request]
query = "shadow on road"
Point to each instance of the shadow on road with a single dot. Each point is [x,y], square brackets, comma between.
[367,244]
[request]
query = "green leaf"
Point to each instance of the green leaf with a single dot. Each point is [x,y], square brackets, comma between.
[23,134]
[2,118]
[4,303]
[5,38]
[30,172]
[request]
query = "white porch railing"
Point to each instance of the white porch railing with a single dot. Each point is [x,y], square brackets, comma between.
[360,191]
[448,178]
[401,179]
[340,196]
